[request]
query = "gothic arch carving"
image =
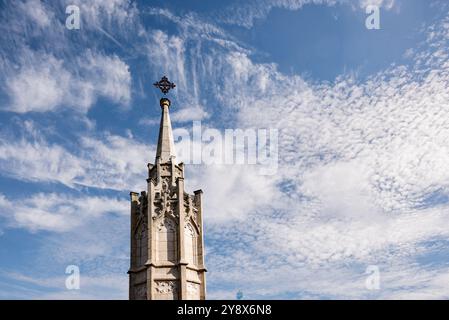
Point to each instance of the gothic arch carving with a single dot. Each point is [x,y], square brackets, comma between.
[193,222]
[167,240]
[191,243]
[141,236]
[191,230]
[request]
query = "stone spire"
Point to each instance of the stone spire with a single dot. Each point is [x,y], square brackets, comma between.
[167,243]
[165,145]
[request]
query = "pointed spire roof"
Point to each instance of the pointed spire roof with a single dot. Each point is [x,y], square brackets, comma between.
[165,145]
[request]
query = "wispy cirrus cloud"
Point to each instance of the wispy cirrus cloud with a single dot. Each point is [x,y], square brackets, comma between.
[107,161]
[57,212]
[46,67]
[246,14]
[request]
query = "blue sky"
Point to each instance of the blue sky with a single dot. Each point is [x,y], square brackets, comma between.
[363,128]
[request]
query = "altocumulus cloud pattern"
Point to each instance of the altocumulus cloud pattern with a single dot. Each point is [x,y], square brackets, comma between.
[363,120]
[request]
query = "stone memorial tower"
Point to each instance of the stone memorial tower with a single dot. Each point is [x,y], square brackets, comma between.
[167,247]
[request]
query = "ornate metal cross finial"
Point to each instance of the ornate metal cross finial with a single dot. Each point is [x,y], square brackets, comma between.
[164,85]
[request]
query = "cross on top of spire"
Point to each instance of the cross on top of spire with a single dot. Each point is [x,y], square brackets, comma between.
[164,84]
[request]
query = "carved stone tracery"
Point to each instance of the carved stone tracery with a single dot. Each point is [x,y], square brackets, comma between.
[165,202]
[191,211]
[167,224]
[165,287]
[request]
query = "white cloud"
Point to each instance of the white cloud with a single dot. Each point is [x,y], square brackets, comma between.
[172,56]
[39,86]
[107,161]
[40,78]
[145,121]
[194,113]
[167,54]
[58,212]
[387,4]
[231,192]
[36,160]
[115,162]
[37,12]
[344,190]
[41,82]
[108,76]
[104,287]
[245,14]
[105,13]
